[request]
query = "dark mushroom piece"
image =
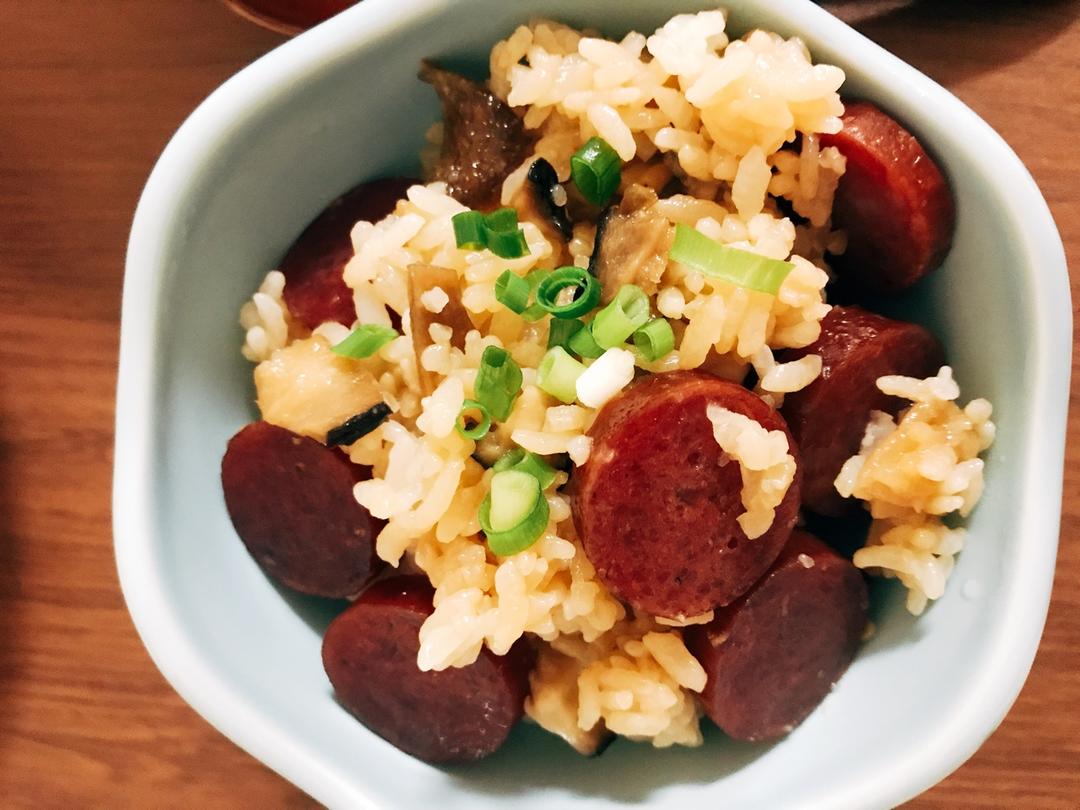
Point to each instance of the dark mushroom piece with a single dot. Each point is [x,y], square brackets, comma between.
[632,243]
[542,201]
[483,141]
[423,277]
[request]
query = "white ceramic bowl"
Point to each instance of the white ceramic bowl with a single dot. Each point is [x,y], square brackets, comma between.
[341,104]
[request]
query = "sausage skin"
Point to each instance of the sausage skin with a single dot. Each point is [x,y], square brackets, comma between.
[657,503]
[314,288]
[893,201]
[773,656]
[456,715]
[290,500]
[829,416]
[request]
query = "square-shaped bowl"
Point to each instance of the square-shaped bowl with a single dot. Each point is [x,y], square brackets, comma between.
[341,104]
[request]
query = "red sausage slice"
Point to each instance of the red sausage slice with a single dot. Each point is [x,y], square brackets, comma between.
[656,506]
[892,200]
[829,416]
[290,500]
[773,656]
[314,288]
[457,715]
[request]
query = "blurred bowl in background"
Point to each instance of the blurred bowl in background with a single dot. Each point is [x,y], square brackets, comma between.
[288,16]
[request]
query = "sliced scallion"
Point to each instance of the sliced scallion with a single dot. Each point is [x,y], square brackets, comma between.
[498,382]
[524,461]
[509,459]
[470,233]
[497,231]
[482,425]
[585,300]
[582,344]
[514,514]
[626,313]
[501,219]
[596,170]
[364,341]
[508,244]
[512,291]
[558,374]
[739,267]
[561,331]
[654,340]
[535,312]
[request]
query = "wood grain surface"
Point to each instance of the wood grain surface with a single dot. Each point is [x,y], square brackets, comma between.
[90,91]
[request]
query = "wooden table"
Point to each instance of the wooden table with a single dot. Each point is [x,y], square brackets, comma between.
[89,94]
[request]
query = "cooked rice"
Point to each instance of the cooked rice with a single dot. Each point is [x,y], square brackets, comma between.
[765,463]
[265,319]
[723,118]
[637,680]
[920,553]
[912,472]
[928,463]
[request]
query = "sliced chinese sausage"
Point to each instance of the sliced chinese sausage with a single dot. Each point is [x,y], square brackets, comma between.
[657,504]
[829,416]
[315,290]
[291,502]
[456,715]
[892,200]
[483,140]
[773,656]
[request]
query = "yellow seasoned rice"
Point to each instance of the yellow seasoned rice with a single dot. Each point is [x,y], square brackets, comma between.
[765,463]
[688,103]
[912,472]
[638,680]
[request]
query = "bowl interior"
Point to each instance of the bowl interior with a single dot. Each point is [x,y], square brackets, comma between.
[264,155]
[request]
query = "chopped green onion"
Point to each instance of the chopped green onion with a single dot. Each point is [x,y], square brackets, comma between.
[508,244]
[596,170]
[561,331]
[497,231]
[654,340]
[480,429]
[626,313]
[509,459]
[535,312]
[558,373]
[582,344]
[739,267]
[514,514]
[470,232]
[518,459]
[586,299]
[512,291]
[498,382]
[502,219]
[364,341]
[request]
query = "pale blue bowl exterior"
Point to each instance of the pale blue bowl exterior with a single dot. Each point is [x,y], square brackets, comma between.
[341,104]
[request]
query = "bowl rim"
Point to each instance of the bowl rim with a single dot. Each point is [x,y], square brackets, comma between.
[1011,649]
